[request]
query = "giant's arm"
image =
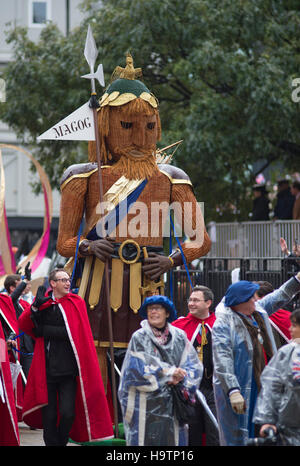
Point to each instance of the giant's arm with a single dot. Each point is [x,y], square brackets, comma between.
[71,212]
[188,215]
[192,223]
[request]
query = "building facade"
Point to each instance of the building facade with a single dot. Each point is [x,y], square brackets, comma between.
[24,209]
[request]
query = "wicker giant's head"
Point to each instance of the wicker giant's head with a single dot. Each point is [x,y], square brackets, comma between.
[129,124]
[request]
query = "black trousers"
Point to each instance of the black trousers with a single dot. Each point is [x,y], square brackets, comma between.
[61,399]
[25,361]
[202,424]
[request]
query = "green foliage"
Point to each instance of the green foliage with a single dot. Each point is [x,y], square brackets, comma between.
[222,72]
[43,86]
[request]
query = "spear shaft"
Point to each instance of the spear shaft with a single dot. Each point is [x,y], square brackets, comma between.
[106,279]
[91,53]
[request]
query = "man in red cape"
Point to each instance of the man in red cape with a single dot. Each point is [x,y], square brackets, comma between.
[92,419]
[197,326]
[9,323]
[279,320]
[9,433]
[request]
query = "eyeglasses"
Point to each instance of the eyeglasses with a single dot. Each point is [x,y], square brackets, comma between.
[155,308]
[195,300]
[63,280]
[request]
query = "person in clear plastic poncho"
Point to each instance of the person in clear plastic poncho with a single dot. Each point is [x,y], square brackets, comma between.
[242,345]
[278,404]
[158,355]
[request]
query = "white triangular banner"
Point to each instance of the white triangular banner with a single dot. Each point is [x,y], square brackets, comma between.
[78,126]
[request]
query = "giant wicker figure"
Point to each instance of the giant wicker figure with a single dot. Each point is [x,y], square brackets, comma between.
[135,188]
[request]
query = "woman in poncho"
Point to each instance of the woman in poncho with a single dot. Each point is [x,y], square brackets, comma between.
[158,356]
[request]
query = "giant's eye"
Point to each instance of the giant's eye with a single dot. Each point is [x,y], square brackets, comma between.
[126,124]
[151,125]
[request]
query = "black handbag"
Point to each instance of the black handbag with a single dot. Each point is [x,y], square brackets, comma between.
[183,404]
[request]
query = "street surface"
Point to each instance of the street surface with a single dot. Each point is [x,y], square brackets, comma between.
[33,438]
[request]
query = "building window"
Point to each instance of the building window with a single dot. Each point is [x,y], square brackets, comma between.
[39,13]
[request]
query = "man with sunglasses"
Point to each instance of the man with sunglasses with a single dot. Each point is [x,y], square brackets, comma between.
[197,326]
[65,371]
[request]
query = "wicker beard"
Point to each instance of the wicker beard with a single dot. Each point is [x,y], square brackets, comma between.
[134,168]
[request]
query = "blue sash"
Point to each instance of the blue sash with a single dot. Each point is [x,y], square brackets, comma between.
[114,217]
[112,220]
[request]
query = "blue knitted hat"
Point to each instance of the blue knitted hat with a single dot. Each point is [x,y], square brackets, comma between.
[158,299]
[240,292]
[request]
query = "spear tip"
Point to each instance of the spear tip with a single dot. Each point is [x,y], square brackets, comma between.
[90,49]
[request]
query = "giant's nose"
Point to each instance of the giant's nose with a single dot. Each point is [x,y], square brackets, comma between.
[139,134]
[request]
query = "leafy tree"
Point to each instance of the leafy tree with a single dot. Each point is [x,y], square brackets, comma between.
[43,86]
[222,72]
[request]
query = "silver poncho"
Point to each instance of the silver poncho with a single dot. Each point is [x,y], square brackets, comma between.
[233,361]
[144,393]
[278,402]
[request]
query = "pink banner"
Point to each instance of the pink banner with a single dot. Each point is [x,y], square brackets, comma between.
[39,250]
[45,238]
[7,258]
[3,350]
[12,256]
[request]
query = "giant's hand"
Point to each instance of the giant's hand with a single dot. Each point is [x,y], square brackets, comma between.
[101,248]
[155,265]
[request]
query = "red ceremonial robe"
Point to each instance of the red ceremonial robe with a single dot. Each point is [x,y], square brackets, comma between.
[92,418]
[280,320]
[8,314]
[24,304]
[9,433]
[191,325]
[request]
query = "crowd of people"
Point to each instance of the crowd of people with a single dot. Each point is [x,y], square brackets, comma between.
[62,389]
[287,205]
[196,380]
[235,344]
[223,374]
